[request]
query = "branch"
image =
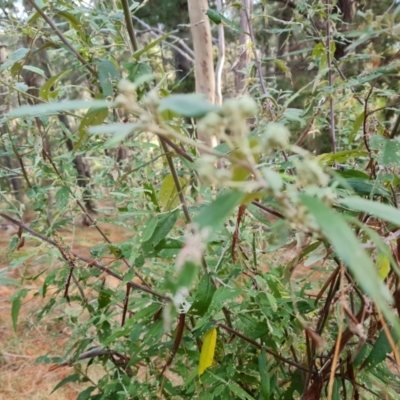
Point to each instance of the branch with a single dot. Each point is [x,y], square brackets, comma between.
[259,71]
[221,59]
[62,38]
[260,346]
[84,259]
[188,53]
[129,25]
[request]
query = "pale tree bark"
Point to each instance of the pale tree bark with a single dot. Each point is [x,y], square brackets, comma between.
[221,59]
[203,56]
[244,49]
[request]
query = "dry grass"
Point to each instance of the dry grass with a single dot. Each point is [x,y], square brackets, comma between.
[20,377]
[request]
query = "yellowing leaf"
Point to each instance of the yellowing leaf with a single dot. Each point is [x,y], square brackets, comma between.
[253,196]
[168,196]
[208,350]
[45,91]
[93,117]
[239,173]
[383,265]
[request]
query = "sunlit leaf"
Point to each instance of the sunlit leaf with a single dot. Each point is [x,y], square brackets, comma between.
[207,351]
[349,249]
[56,108]
[187,105]
[168,195]
[45,91]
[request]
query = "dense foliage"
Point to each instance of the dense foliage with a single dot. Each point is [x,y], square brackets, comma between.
[263,268]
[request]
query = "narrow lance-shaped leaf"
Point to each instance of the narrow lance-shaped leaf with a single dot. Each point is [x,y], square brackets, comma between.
[379,351]
[348,248]
[56,108]
[145,49]
[187,105]
[380,210]
[207,350]
[45,90]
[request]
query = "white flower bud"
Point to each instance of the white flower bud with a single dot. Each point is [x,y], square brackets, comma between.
[310,172]
[248,107]
[152,98]
[212,125]
[127,87]
[274,136]
[206,169]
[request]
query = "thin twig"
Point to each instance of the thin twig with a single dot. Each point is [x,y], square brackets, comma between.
[259,71]
[256,59]
[62,38]
[260,346]
[86,260]
[330,76]
[89,217]
[186,51]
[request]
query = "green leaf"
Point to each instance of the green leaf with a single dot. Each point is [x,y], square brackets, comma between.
[137,71]
[56,108]
[239,392]
[16,306]
[165,223]
[104,298]
[264,378]
[151,194]
[221,295]
[387,152]
[94,116]
[108,73]
[356,127]
[187,105]
[341,156]
[68,379]
[215,214]
[119,131]
[296,385]
[73,21]
[62,196]
[168,248]
[5,280]
[86,393]
[379,351]
[168,196]
[203,296]
[187,275]
[149,229]
[45,91]
[14,57]
[145,49]
[364,187]
[217,18]
[348,249]
[380,210]
[36,70]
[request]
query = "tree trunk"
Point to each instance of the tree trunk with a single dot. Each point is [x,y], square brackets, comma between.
[82,169]
[244,49]
[348,11]
[204,65]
